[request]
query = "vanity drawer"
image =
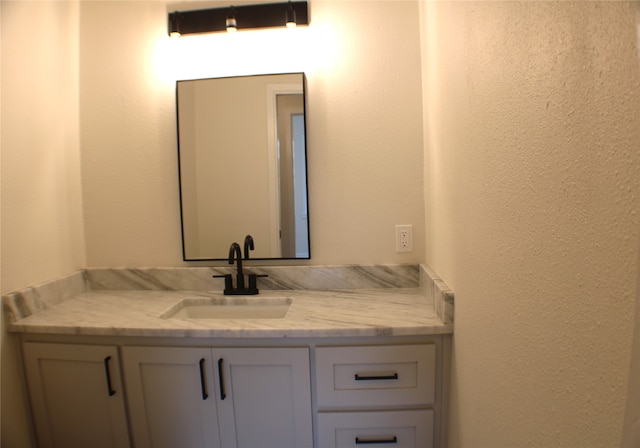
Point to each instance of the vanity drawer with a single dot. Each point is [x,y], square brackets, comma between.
[392,375]
[398,429]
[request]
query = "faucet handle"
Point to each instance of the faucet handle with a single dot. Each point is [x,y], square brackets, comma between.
[228,283]
[252,280]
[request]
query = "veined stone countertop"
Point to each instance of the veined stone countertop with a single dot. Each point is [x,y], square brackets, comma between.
[390,312]
[81,303]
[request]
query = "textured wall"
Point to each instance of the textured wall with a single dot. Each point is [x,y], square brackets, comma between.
[631,431]
[364,126]
[533,161]
[42,230]
[42,234]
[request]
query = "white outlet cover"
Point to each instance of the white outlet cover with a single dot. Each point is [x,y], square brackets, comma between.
[404,238]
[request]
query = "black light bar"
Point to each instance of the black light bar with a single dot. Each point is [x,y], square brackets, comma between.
[265,15]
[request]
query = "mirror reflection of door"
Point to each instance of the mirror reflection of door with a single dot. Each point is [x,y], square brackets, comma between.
[300,186]
[292,176]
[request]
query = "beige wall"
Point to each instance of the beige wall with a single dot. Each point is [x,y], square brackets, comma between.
[42,229]
[364,126]
[532,207]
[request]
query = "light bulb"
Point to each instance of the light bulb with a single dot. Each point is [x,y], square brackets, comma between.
[291,16]
[232,25]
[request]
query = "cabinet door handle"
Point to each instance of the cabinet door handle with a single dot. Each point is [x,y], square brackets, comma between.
[223,393]
[376,376]
[203,381]
[376,441]
[107,373]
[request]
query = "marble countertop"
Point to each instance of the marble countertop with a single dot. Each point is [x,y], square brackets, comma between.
[360,312]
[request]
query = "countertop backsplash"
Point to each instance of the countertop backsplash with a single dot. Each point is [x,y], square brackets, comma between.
[317,278]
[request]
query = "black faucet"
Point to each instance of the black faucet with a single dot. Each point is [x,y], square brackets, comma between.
[235,254]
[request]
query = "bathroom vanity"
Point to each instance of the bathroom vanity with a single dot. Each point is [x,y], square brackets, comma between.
[343,367]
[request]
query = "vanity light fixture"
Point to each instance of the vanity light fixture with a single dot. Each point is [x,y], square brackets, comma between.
[231,22]
[263,15]
[174,24]
[291,16]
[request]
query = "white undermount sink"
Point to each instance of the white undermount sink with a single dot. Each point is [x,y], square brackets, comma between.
[229,308]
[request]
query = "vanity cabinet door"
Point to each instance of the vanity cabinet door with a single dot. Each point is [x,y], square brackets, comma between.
[171,397]
[264,397]
[76,395]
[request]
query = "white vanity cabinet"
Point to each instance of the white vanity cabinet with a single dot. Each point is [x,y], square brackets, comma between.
[376,395]
[219,397]
[76,394]
[274,393]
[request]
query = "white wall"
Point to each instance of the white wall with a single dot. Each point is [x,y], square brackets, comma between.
[532,207]
[42,229]
[364,125]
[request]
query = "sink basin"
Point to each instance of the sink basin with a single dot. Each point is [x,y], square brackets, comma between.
[229,308]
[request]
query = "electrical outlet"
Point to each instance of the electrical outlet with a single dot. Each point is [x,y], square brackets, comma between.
[404,238]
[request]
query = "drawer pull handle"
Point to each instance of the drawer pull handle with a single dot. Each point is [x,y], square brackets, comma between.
[203,381]
[223,392]
[107,374]
[378,441]
[376,376]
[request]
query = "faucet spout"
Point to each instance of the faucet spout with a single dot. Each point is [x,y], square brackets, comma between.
[236,253]
[248,245]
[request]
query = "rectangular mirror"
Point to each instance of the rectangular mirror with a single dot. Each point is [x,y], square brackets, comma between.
[243,166]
